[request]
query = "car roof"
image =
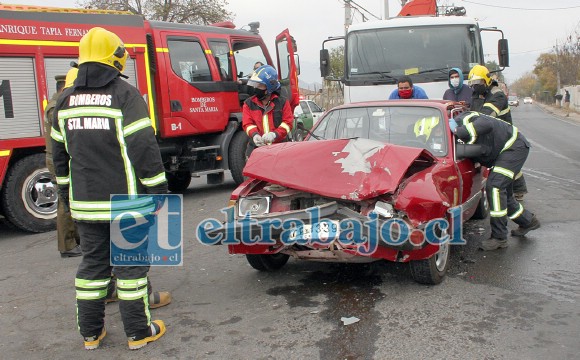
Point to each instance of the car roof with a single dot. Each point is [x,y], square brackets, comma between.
[441,104]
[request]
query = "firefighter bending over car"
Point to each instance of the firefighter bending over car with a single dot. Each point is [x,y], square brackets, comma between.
[489,99]
[116,154]
[267,117]
[505,151]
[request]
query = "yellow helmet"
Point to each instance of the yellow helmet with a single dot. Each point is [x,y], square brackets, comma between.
[71,76]
[477,74]
[102,46]
[425,125]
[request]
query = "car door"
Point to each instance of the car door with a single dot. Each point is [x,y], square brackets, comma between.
[288,67]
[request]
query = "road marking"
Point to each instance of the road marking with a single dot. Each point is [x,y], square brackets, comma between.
[548,177]
[556,154]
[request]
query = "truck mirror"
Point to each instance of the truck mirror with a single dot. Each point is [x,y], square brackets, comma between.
[324,63]
[503,53]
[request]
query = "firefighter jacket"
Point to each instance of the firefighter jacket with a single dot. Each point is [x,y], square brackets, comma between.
[495,135]
[104,144]
[494,103]
[276,116]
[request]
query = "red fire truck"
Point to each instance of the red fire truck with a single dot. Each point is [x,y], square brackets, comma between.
[192,77]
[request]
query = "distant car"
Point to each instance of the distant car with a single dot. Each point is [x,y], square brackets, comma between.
[306,113]
[513,101]
[528,100]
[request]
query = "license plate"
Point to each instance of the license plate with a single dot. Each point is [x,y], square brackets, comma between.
[321,231]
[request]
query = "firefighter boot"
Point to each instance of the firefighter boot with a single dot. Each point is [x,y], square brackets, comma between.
[523,230]
[493,244]
[93,342]
[159,298]
[156,330]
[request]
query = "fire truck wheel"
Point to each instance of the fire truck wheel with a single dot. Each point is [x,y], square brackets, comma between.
[237,156]
[29,197]
[178,181]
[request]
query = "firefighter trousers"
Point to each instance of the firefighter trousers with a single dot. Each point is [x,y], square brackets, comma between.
[500,194]
[92,281]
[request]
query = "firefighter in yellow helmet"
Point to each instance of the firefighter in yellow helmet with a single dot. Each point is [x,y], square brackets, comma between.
[104,144]
[489,99]
[429,131]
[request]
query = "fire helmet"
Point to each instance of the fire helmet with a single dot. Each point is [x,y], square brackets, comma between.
[102,46]
[266,75]
[479,75]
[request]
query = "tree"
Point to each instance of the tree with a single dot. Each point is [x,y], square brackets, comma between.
[527,85]
[337,62]
[546,70]
[493,66]
[200,12]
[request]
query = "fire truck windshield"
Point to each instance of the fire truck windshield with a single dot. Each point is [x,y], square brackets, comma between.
[378,56]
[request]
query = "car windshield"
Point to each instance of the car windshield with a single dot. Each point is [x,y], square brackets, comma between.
[513,98]
[413,126]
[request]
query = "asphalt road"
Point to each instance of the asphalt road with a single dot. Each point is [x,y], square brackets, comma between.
[516,303]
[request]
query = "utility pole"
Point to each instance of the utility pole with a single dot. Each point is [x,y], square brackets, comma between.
[557,68]
[386,9]
[347,15]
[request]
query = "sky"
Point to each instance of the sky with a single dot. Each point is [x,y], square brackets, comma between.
[531,26]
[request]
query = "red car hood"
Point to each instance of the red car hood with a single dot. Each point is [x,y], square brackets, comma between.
[354,169]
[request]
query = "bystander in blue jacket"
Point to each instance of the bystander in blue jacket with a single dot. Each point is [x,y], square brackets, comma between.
[456,91]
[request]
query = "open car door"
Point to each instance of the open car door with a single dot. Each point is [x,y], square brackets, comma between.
[288,67]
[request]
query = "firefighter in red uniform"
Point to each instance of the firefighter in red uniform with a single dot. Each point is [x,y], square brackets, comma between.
[116,154]
[267,116]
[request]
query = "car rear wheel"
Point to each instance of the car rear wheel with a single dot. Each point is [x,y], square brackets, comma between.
[482,210]
[267,262]
[432,271]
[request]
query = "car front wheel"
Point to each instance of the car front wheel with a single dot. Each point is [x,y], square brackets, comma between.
[267,262]
[432,271]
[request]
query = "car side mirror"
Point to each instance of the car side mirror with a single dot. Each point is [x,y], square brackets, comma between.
[463,151]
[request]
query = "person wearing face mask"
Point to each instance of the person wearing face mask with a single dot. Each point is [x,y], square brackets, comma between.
[456,91]
[489,99]
[406,90]
[267,117]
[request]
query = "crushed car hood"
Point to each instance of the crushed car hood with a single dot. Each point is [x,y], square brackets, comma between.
[353,169]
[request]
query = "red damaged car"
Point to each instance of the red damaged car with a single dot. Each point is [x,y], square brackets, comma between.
[389,163]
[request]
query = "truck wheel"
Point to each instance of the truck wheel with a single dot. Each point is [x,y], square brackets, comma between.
[178,181]
[482,210]
[432,271]
[29,198]
[267,262]
[237,156]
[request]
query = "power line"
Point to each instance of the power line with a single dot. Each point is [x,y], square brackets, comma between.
[517,8]
[368,12]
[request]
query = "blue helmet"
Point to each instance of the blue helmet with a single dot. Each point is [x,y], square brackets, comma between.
[266,75]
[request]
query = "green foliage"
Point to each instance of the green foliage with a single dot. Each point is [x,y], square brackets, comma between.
[337,62]
[199,12]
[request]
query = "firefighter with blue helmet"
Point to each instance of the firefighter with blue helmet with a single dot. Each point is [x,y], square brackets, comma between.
[267,116]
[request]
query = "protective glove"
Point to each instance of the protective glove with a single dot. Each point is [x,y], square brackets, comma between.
[258,141]
[269,137]
[452,125]
[63,197]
